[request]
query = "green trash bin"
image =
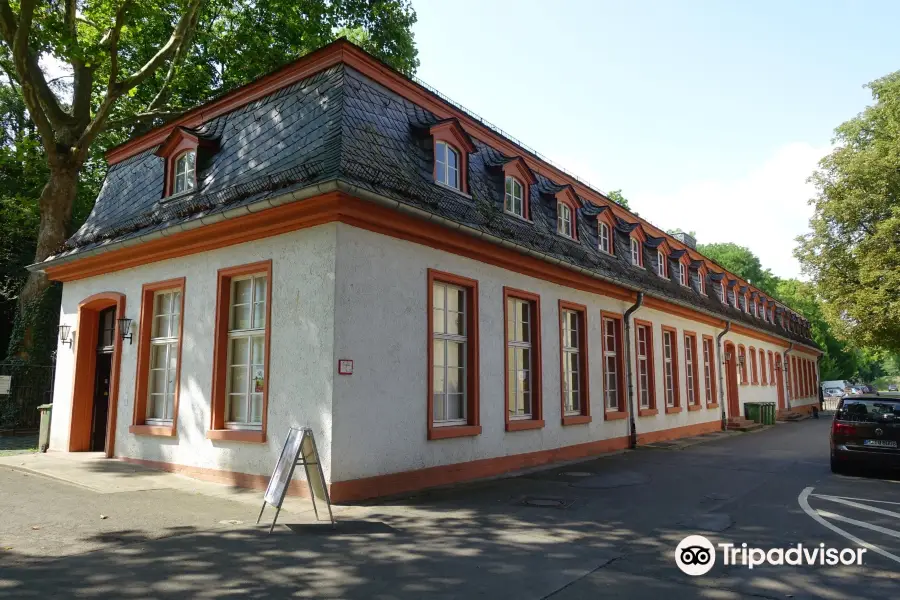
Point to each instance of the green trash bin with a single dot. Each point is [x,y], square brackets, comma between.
[773,412]
[44,435]
[752,411]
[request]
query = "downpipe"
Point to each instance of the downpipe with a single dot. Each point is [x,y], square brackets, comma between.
[721,370]
[632,433]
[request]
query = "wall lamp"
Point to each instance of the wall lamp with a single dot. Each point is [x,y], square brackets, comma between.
[742,360]
[125,329]
[64,331]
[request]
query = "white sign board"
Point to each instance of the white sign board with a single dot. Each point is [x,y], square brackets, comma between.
[5,384]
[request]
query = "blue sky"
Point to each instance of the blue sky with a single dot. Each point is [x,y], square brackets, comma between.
[709,116]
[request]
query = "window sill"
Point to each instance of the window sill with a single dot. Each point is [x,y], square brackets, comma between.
[156,430]
[524,424]
[236,435]
[647,412]
[576,419]
[453,189]
[614,415]
[671,410]
[692,407]
[178,196]
[713,405]
[515,216]
[443,433]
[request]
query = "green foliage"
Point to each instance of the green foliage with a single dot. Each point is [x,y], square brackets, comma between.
[742,262]
[852,252]
[617,197]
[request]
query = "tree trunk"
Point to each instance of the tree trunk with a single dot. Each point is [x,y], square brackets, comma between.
[56,203]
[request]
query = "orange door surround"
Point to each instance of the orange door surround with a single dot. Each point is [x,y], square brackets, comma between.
[85,372]
[731,386]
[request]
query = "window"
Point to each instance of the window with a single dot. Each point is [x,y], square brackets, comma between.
[690,370]
[522,312]
[574,362]
[682,274]
[643,340]
[452,356]
[722,293]
[754,374]
[604,237]
[701,282]
[241,353]
[446,165]
[514,202]
[564,220]
[661,264]
[742,363]
[158,358]
[762,367]
[636,258]
[185,175]
[670,369]
[709,371]
[772,378]
[755,309]
[613,365]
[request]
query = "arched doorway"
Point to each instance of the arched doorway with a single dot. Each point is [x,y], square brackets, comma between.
[731,386]
[98,351]
[779,381]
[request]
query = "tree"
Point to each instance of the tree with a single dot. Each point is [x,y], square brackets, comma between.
[131,65]
[617,197]
[852,251]
[743,263]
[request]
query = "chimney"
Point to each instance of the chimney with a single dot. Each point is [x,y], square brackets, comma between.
[686,239]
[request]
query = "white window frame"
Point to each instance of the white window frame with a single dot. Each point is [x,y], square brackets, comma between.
[610,365]
[668,368]
[636,258]
[604,238]
[690,387]
[511,186]
[517,374]
[662,269]
[707,370]
[701,280]
[443,168]
[571,350]
[682,274]
[256,332]
[723,294]
[447,338]
[564,220]
[643,364]
[184,173]
[170,341]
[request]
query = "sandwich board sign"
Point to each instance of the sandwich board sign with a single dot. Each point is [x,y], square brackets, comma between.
[299,449]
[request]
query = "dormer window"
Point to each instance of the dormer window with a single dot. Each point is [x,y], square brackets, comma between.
[701,281]
[636,258]
[721,293]
[563,219]
[661,269]
[185,173]
[682,274]
[514,203]
[446,165]
[603,237]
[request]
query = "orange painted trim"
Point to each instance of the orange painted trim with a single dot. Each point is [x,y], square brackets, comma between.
[584,361]
[676,380]
[217,430]
[537,399]
[681,311]
[714,405]
[713,363]
[85,370]
[614,415]
[763,375]
[473,383]
[355,490]
[679,432]
[142,377]
[742,351]
[692,335]
[576,420]
[647,412]
[518,170]
[619,336]
[754,371]
[651,367]
[693,407]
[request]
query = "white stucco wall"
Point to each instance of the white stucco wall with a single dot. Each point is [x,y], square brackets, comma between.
[301,366]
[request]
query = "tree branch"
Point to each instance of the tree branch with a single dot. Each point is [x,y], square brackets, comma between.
[142,118]
[166,89]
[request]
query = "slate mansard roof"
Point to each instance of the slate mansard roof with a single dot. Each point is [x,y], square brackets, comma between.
[340,124]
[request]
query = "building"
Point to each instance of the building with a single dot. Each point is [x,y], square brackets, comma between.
[335,245]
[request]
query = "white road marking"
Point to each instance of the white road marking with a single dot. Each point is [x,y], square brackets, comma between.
[863,524]
[859,499]
[803,500]
[874,509]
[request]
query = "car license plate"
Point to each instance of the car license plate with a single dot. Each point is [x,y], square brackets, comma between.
[880,443]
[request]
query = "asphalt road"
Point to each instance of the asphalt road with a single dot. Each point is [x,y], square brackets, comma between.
[603,528]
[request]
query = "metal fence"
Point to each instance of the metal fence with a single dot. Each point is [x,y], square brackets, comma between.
[22,389]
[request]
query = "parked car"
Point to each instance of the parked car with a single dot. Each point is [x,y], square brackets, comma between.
[892,387]
[866,432]
[829,392]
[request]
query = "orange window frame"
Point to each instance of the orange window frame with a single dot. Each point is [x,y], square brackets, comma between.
[651,369]
[610,414]
[676,383]
[139,424]
[217,429]
[690,337]
[584,375]
[709,346]
[537,413]
[772,375]
[473,416]
[754,370]
[763,377]
[742,352]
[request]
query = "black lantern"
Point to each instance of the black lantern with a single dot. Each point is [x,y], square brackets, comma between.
[64,338]
[125,329]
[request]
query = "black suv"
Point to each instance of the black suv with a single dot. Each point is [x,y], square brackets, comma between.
[866,432]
